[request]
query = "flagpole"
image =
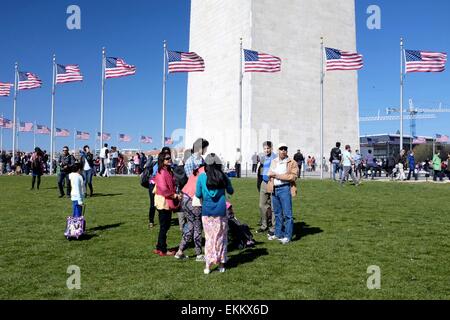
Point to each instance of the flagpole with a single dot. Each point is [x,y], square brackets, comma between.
[74,131]
[322,75]
[241,76]
[16,68]
[401,94]
[103,94]
[52,124]
[164,96]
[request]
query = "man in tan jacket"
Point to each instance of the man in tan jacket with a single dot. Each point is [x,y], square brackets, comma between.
[283,173]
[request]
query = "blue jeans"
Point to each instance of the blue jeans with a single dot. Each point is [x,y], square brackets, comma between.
[282,207]
[61,178]
[336,166]
[87,176]
[77,209]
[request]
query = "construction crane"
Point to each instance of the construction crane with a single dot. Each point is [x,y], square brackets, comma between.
[396,118]
[413,111]
[412,116]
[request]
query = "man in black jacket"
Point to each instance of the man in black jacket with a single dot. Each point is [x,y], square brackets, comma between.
[66,161]
[335,159]
[299,158]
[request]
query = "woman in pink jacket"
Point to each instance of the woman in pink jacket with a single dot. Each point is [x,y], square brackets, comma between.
[165,187]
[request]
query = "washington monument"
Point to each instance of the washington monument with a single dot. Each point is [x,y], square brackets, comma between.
[282,106]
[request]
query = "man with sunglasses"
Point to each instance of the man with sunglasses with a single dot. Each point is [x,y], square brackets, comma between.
[66,162]
[283,173]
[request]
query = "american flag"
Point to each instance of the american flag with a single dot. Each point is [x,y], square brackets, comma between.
[343,60]
[25,126]
[419,140]
[83,135]
[261,62]
[28,80]
[62,132]
[441,138]
[106,136]
[185,62]
[116,67]
[7,124]
[68,73]
[168,141]
[145,139]
[425,61]
[5,89]
[42,129]
[124,137]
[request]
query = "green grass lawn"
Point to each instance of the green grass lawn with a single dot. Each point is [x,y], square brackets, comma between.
[402,228]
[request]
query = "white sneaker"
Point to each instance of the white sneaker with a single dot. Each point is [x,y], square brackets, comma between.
[181,257]
[285,241]
[274,237]
[200,258]
[222,270]
[206,271]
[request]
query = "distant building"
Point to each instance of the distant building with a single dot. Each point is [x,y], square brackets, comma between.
[385,145]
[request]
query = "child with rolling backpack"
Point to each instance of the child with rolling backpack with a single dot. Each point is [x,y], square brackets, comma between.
[76,224]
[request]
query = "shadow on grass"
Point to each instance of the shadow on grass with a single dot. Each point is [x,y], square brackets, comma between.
[233,244]
[105,227]
[91,232]
[106,194]
[87,236]
[246,256]
[302,229]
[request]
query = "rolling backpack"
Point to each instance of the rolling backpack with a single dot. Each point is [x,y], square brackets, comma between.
[240,233]
[76,226]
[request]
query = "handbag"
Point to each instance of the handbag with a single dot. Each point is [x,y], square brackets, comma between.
[160,201]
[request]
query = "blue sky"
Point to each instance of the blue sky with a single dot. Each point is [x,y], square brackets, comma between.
[424,26]
[135,29]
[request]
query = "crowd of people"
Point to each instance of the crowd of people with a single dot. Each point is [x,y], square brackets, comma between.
[197,186]
[402,166]
[20,163]
[114,162]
